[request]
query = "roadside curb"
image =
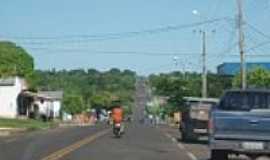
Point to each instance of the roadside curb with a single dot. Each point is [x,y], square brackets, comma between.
[65,125]
[4,132]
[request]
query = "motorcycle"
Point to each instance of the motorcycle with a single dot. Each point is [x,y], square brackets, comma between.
[118,129]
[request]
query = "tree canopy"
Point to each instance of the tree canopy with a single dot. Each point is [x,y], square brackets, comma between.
[14,60]
[88,88]
[256,78]
[177,85]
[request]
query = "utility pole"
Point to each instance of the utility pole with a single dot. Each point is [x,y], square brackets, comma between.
[241,44]
[204,70]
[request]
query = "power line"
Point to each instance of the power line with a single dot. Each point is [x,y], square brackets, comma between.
[109,36]
[68,50]
[258,45]
[146,53]
[253,40]
[258,31]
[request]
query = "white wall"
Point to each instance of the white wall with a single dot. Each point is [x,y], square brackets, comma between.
[8,99]
[47,106]
[8,103]
[56,108]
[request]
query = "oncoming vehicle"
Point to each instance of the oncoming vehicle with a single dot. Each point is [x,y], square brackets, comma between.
[240,124]
[194,122]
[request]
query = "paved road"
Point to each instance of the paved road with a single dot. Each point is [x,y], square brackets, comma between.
[36,145]
[95,143]
[140,142]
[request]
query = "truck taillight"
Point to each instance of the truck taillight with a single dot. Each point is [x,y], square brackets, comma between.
[210,126]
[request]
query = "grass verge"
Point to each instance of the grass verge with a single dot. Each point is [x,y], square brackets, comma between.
[28,124]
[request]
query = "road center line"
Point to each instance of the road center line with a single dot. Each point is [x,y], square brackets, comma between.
[64,151]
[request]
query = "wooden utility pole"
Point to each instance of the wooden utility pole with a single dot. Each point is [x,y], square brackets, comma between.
[241,44]
[204,70]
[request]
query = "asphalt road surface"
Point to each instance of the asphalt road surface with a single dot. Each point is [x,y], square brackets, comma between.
[140,142]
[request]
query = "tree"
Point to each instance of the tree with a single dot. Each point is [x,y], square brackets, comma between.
[101,100]
[73,104]
[14,60]
[128,109]
[217,84]
[154,107]
[95,88]
[256,78]
[177,85]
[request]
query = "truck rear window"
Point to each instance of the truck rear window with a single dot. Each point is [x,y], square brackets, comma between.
[245,101]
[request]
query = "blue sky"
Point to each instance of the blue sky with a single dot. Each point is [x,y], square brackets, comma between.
[21,20]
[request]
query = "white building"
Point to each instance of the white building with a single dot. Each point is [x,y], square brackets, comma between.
[16,101]
[10,88]
[49,103]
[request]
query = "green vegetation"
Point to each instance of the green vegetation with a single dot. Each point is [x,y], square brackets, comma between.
[25,124]
[256,78]
[73,104]
[82,89]
[177,85]
[154,107]
[88,89]
[14,60]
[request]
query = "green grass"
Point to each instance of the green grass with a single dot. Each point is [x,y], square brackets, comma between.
[25,123]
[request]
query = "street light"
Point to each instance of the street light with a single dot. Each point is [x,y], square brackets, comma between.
[195,12]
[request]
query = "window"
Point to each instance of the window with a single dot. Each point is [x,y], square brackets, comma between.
[245,101]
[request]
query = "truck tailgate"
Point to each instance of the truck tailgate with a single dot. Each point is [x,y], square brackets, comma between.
[242,125]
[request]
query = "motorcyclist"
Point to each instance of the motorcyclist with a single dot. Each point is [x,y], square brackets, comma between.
[118,116]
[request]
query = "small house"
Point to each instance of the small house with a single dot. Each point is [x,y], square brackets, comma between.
[10,89]
[49,103]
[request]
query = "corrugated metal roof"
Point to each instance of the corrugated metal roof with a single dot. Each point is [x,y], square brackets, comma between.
[199,99]
[51,94]
[234,68]
[7,81]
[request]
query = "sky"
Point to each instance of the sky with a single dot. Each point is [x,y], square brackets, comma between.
[72,34]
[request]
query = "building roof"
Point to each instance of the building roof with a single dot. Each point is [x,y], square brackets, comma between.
[198,99]
[51,94]
[10,81]
[234,68]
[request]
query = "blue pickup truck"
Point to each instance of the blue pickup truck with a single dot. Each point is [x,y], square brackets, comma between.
[240,124]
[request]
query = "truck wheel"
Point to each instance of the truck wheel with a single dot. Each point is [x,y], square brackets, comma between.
[185,137]
[219,155]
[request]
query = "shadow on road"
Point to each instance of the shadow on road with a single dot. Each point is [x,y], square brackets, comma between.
[203,142]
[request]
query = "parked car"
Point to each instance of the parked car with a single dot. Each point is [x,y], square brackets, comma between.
[194,118]
[240,124]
